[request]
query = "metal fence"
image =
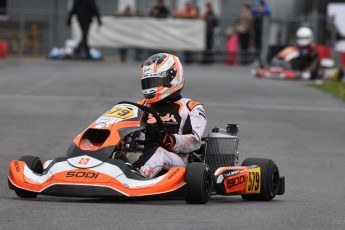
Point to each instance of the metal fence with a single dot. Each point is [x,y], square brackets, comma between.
[35,32]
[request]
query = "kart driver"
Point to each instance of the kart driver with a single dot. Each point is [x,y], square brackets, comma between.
[308,54]
[184,120]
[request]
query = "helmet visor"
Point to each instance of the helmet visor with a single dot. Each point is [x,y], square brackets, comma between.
[303,41]
[152,82]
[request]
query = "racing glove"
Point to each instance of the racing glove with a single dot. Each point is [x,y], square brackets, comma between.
[162,137]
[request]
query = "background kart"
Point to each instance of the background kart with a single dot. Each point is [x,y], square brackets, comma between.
[93,165]
[281,68]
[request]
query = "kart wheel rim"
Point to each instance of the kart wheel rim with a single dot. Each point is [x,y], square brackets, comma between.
[208,184]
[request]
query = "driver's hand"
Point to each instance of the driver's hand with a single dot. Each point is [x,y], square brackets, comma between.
[161,137]
[120,147]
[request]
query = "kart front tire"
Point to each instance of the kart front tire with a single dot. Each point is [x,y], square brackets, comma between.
[269,179]
[35,164]
[198,179]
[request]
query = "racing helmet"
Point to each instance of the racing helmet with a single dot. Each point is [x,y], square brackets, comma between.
[304,36]
[161,76]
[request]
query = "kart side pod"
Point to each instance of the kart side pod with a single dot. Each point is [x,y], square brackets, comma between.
[252,182]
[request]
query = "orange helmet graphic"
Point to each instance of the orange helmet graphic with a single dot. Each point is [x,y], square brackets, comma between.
[161,76]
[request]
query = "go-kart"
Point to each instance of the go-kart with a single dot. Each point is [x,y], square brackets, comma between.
[94,165]
[286,65]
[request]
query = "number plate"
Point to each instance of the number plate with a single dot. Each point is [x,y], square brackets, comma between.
[119,112]
[254,181]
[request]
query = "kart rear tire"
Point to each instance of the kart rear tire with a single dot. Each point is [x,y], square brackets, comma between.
[269,179]
[35,164]
[198,179]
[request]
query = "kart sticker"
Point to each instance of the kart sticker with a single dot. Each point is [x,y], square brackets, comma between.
[106,121]
[84,162]
[235,183]
[120,111]
[254,181]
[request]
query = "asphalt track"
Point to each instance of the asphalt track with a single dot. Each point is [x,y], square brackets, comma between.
[44,104]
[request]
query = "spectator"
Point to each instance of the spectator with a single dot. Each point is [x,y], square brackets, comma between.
[85,10]
[231,45]
[243,29]
[259,12]
[159,10]
[127,12]
[211,23]
[188,12]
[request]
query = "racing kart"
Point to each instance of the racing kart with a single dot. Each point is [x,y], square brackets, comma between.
[94,166]
[284,66]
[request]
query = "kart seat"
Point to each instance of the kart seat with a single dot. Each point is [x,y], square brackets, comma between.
[133,156]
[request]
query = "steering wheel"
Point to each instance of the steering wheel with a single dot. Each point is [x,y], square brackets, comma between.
[146,110]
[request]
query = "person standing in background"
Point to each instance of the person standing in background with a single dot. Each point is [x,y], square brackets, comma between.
[211,23]
[127,12]
[188,12]
[243,29]
[259,12]
[159,10]
[85,10]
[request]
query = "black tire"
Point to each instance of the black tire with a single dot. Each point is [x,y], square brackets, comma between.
[35,164]
[198,179]
[269,179]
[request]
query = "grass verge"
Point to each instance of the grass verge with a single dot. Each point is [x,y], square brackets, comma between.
[335,88]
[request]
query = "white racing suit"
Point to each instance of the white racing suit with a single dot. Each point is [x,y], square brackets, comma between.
[183,118]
